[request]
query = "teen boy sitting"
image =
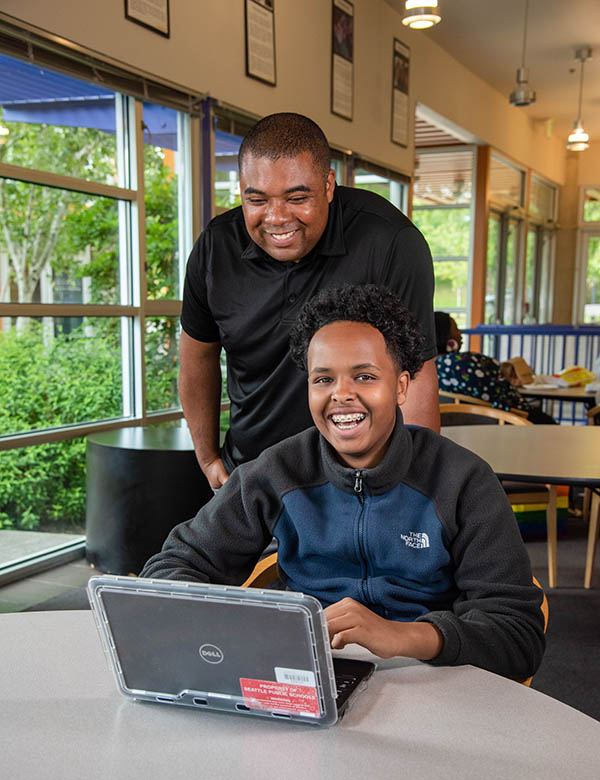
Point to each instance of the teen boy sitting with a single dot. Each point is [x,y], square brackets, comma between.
[406,538]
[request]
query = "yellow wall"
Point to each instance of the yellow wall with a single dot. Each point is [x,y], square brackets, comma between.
[588,165]
[205,53]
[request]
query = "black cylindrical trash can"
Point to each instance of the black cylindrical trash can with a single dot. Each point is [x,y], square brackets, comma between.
[141,482]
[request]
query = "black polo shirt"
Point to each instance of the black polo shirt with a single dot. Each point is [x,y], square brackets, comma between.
[239,295]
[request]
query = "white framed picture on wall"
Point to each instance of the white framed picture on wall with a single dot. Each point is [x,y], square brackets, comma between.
[153,14]
[342,58]
[260,40]
[400,102]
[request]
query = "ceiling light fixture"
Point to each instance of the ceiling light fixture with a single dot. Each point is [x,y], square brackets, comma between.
[578,140]
[522,94]
[420,14]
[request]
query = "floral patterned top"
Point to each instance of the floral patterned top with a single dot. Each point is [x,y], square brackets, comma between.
[472,373]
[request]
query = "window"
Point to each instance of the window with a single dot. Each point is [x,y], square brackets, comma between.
[91,268]
[442,210]
[390,186]
[520,246]
[542,196]
[591,205]
[529,302]
[591,299]
[507,183]
[492,270]
[503,251]
[230,130]
[587,286]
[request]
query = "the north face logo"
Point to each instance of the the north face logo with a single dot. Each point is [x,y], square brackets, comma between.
[416,539]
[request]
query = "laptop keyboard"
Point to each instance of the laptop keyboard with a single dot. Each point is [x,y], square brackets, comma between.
[343,682]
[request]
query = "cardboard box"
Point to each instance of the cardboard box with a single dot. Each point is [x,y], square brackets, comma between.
[517,371]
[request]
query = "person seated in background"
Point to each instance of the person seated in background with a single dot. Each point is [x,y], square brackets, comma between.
[407,539]
[477,375]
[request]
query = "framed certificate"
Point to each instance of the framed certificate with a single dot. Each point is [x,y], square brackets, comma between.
[153,14]
[260,40]
[342,58]
[400,103]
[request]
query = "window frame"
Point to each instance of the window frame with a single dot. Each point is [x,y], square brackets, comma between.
[135,307]
[452,149]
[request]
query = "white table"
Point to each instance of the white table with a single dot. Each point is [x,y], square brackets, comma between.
[62,718]
[553,454]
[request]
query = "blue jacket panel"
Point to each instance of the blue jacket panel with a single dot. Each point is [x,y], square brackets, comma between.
[386,551]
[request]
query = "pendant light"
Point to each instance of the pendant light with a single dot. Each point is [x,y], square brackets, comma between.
[420,14]
[578,140]
[522,94]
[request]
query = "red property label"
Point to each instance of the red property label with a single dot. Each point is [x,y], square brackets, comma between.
[266,695]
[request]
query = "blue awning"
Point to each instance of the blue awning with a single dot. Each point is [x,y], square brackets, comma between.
[32,94]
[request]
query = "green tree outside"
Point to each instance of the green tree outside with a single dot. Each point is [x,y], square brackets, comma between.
[62,372]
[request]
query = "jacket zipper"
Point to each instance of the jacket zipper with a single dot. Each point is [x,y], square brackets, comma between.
[358,486]
[358,489]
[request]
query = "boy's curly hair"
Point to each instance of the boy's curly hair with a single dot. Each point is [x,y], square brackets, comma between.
[367,303]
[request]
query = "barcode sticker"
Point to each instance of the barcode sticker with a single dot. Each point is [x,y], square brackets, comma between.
[295,676]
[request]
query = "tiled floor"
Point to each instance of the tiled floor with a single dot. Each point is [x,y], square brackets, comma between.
[20,595]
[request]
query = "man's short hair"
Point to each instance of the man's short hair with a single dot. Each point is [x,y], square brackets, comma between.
[366,303]
[286,135]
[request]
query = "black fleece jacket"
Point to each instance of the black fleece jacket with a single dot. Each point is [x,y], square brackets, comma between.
[428,534]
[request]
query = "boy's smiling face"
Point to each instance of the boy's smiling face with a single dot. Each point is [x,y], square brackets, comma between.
[354,387]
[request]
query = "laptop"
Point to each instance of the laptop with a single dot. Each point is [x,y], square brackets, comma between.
[217,647]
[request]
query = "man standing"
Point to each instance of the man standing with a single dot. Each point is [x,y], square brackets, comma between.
[252,269]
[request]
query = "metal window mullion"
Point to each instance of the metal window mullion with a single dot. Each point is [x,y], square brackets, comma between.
[519,275]
[66,432]
[139,288]
[501,279]
[442,206]
[64,310]
[184,194]
[123,138]
[470,260]
[207,167]
[59,181]
[537,271]
[196,174]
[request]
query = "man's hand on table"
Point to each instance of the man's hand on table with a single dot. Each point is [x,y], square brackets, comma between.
[350,622]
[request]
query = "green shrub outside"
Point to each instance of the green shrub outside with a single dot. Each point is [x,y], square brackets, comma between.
[64,379]
[51,379]
[46,383]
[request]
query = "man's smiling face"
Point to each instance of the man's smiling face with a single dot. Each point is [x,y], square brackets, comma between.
[354,388]
[285,203]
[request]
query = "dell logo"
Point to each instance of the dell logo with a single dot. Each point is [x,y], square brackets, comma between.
[211,654]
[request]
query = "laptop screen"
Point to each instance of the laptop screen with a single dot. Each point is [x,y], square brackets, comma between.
[201,646]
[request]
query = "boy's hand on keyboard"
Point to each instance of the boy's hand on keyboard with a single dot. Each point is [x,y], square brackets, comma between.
[350,622]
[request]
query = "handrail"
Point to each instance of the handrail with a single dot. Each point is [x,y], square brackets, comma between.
[580,330]
[547,348]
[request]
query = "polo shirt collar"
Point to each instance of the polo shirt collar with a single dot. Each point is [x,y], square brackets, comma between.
[330,244]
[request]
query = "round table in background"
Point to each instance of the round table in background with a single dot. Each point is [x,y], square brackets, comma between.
[141,482]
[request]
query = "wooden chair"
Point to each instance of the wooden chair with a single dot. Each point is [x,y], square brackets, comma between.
[471,414]
[544,609]
[518,492]
[593,415]
[458,398]
[591,512]
[265,572]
